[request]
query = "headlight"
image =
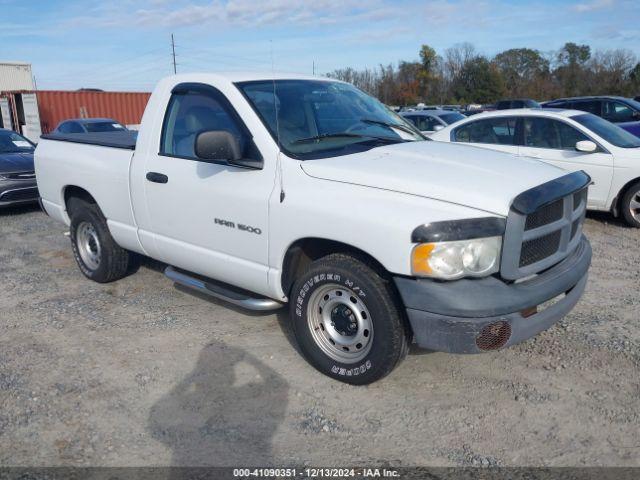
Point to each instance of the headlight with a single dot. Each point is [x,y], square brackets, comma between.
[456,259]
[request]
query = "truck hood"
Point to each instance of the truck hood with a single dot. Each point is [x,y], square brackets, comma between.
[15,162]
[474,177]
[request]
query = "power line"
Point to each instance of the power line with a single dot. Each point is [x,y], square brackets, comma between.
[173,50]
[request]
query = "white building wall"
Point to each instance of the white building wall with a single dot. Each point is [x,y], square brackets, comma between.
[15,76]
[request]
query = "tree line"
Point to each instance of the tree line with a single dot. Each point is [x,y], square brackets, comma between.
[462,75]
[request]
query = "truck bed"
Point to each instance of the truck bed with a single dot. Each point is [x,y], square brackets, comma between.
[124,139]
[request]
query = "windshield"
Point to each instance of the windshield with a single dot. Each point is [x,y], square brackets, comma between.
[452,117]
[317,119]
[95,127]
[608,131]
[11,142]
[633,103]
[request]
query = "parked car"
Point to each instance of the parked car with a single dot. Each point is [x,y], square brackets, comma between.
[89,125]
[622,111]
[429,121]
[517,103]
[569,139]
[17,176]
[264,190]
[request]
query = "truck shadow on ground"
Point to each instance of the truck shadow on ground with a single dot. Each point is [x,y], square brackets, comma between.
[225,412]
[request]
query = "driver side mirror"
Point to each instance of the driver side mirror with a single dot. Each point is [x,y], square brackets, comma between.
[437,128]
[586,146]
[216,146]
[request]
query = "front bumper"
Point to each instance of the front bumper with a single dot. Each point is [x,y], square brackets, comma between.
[17,192]
[450,316]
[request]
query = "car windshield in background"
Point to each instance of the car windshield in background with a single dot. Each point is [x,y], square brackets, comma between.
[316,119]
[97,127]
[608,131]
[634,103]
[452,117]
[11,142]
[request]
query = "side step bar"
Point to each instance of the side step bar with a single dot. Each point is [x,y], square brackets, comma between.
[226,293]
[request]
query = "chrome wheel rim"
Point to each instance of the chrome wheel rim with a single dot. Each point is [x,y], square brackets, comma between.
[340,323]
[634,206]
[88,245]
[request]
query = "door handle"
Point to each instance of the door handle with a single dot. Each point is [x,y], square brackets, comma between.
[156,177]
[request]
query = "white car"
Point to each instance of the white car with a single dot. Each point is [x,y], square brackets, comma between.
[570,139]
[263,190]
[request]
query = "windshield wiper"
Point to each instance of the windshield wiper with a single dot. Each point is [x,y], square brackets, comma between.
[399,126]
[324,136]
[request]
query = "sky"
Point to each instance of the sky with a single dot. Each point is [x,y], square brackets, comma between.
[126,44]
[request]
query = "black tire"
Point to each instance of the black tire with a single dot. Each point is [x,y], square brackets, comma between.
[113,259]
[390,335]
[630,205]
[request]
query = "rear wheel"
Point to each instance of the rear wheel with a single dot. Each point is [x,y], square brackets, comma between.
[98,256]
[348,321]
[630,205]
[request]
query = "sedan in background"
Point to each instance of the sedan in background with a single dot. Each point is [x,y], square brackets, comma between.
[517,103]
[622,111]
[17,175]
[430,121]
[89,125]
[570,139]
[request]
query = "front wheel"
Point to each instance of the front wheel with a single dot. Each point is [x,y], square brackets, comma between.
[347,320]
[630,206]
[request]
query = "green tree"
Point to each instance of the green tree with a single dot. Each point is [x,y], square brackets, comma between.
[427,74]
[572,54]
[634,79]
[571,72]
[479,81]
[522,70]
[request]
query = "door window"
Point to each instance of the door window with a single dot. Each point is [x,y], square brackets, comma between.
[70,127]
[191,113]
[591,106]
[499,131]
[548,133]
[617,112]
[424,123]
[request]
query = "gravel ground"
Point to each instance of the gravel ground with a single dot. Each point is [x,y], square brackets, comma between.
[139,372]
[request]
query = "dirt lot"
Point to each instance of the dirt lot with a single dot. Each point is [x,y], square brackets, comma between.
[141,373]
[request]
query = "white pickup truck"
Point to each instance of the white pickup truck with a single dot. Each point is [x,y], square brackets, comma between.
[268,189]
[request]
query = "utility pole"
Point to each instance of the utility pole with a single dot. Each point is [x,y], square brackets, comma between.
[314,67]
[173,52]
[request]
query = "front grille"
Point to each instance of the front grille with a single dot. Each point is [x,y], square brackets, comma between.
[545,215]
[539,248]
[578,198]
[536,241]
[17,195]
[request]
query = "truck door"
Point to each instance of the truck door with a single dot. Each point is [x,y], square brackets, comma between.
[208,218]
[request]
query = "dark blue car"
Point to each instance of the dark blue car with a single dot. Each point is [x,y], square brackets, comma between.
[17,175]
[624,112]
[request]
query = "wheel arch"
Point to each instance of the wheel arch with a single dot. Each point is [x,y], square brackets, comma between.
[303,251]
[74,191]
[616,204]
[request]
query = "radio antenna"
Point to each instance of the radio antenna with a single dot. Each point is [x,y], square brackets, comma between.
[275,108]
